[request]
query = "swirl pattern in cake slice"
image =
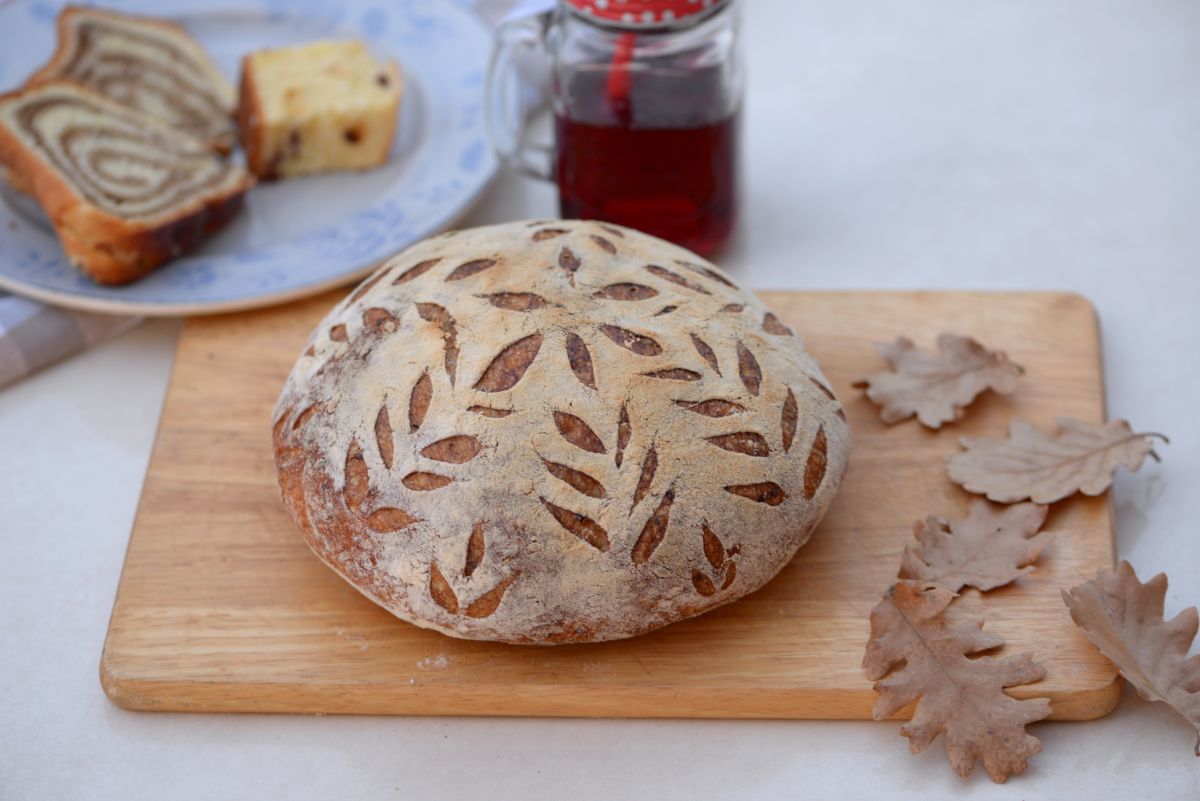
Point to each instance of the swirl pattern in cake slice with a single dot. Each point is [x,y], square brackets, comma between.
[124,192]
[149,65]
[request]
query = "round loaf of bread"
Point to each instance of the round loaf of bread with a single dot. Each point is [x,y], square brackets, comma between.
[555,432]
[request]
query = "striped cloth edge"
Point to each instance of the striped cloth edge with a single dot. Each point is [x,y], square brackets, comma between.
[34,335]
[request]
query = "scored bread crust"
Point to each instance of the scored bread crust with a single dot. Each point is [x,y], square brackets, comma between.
[109,248]
[221,135]
[555,432]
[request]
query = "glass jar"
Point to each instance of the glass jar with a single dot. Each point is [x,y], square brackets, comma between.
[646,97]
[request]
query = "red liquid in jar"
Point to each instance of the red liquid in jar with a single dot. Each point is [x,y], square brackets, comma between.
[675,183]
[658,162]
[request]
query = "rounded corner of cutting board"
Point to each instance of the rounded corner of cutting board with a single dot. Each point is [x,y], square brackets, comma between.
[1090,703]
[114,685]
[1068,302]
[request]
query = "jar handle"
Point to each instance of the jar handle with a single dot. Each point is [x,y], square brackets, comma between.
[504,114]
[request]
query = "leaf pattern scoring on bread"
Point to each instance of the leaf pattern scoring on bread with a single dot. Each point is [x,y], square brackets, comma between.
[548,408]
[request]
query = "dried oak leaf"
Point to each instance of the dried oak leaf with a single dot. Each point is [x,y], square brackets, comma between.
[936,388]
[1081,457]
[1124,619]
[991,547]
[914,655]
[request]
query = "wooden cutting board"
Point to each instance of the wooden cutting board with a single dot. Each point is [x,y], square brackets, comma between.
[222,607]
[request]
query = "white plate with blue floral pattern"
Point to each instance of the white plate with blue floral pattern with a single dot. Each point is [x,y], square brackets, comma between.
[299,236]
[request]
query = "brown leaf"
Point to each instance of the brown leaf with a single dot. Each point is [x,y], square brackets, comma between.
[604,244]
[706,353]
[487,604]
[1124,619]
[575,431]
[624,432]
[569,263]
[935,388]
[824,390]
[424,482]
[674,374]
[748,369]
[475,549]
[814,468]
[383,437]
[471,268]
[772,325]
[576,478]
[489,411]
[367,286]
[515,301]
[676,278]
[417,270]
[750,443]
[645,478]
[376,319]
[509,366]
[389,519]
[713,274]
[788,419]
[625,291]
[654,530]
[583,527]
[457,449]
[631,341]
[1081,457]
[441,590]
[703,584]
[714,551]
[305,416]
[357,480]
[714,407]
[418,402]
[730,574]
[433,313]
[991,547]
[767,492]
[281,422]
[580,360]
[914,655]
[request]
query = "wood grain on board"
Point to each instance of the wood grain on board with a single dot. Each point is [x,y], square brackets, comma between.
[221,606]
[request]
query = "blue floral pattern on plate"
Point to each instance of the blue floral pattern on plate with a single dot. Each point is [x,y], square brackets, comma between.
[301,236]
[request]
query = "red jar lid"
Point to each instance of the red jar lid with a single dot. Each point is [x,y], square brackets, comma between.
[647,13]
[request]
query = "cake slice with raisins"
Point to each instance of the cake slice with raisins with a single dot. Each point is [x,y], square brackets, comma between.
[317,108]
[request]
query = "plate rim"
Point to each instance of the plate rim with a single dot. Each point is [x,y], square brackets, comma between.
[88,303]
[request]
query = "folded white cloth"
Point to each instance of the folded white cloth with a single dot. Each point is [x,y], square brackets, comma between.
[33,335]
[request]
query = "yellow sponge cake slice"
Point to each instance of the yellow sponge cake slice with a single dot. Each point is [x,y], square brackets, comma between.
[317,108]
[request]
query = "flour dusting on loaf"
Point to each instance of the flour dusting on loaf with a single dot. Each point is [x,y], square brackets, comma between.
[555,432]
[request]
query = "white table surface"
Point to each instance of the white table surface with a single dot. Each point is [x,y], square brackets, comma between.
[1021,144]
